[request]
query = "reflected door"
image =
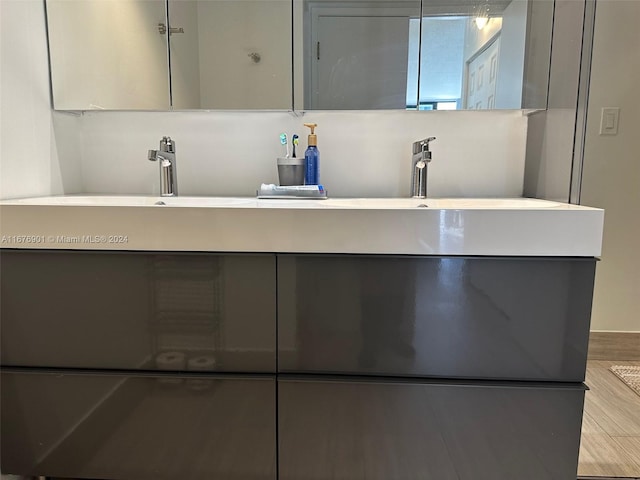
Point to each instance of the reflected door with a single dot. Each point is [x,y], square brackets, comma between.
[360,62]
[482,74]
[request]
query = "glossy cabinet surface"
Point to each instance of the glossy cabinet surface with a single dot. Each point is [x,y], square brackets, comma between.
[450,317]
[378,430]
[135,366]
[119,310]
[128,427]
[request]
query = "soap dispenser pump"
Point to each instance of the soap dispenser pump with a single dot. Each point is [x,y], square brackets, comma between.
[312,158]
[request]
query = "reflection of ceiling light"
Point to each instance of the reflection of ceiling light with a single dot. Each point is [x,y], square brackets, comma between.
[481,22]
[481,15]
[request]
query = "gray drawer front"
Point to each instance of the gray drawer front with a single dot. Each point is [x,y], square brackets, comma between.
[377,431]
[485,318]
[175,312]
[138,427]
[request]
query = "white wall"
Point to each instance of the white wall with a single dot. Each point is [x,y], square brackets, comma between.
[362,153]
[39,151]
[611,175]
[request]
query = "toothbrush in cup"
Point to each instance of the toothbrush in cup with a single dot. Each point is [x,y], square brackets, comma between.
[285,142]
[294,142]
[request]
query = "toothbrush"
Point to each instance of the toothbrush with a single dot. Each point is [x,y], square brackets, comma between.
[283,141]
[294,142]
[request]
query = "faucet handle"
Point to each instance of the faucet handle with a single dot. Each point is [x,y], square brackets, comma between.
[422,145]
[167,145]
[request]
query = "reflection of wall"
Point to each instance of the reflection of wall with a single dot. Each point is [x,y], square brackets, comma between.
[228,33]
[185,55]
[536,68]
[475,39]
[513,37]
[298,54]
[550,142]
[137,80]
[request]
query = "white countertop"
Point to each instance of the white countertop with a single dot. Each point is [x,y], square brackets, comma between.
[456,226]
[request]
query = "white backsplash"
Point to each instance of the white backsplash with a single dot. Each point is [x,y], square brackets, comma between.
[362,154]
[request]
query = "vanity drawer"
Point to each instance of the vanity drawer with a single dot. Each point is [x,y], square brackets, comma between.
[450,317]
[121,310]
[376,430]
[137,427]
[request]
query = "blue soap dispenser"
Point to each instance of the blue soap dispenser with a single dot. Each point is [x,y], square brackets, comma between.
[312,158]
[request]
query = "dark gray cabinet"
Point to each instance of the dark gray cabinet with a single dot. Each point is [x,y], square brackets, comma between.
[137,427]
[138,311]
[447,317]
[146,365]
[379,429]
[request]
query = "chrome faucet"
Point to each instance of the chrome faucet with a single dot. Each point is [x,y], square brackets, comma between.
[419,161]
[166,157]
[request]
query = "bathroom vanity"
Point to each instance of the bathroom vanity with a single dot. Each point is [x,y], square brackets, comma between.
[237,338]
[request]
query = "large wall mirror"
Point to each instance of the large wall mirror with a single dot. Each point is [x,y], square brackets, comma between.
[299,54]
[163,54]
[422,55]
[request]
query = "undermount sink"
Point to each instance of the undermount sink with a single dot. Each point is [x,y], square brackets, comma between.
[403,226]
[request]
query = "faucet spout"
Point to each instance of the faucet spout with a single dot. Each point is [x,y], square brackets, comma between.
[419,161]
[166,158]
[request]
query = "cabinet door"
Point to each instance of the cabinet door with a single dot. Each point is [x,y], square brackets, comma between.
[138,427]
[146,311]
[483,318]
[357,430]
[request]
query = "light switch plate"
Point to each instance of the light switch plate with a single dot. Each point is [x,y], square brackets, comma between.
[609,118]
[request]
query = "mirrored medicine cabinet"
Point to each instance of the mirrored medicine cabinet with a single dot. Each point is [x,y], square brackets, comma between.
[299,54]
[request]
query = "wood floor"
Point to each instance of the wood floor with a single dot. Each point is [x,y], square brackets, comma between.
[610,444]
